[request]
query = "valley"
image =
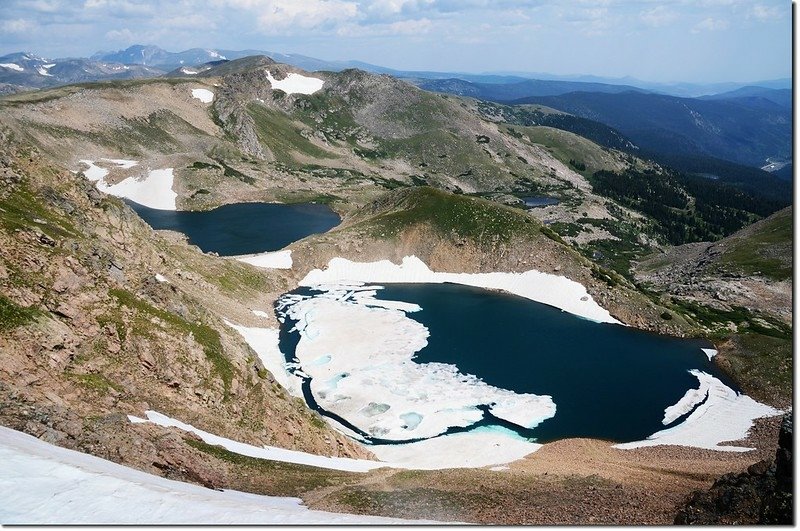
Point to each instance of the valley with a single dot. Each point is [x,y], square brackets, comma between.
[110,319]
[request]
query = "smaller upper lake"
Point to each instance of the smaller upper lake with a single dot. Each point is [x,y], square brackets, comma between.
[539,201]
[243,228]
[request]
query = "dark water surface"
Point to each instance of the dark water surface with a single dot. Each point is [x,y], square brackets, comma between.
[608,381]
[539,201]
[243,228]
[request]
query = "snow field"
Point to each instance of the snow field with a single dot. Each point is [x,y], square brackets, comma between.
[296,83]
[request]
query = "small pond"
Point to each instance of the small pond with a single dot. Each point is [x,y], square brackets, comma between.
[539,201]
[243,228]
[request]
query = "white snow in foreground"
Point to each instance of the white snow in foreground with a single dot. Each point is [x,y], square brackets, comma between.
[44,484]
[269,260]
[265,452]
[264,342]
[724,416]
[710,352]
[161,278]
[153,190]
[553,290]
[204,95]
[296,83]
[359,354]
[12,66]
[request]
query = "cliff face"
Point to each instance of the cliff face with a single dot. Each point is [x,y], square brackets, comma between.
[762,495]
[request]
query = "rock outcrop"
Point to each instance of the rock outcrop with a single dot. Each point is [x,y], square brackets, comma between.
[762,495]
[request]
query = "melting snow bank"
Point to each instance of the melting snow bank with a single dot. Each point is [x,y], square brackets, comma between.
[265,341]
[480,447]
[266,452]
[553,290]
[371,380]
[45,484]
[270,260]
[204,95]
[12,66]
[296,83]
[719,415]
[152,191]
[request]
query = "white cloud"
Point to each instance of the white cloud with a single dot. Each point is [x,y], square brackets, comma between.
[403,27]
[658,16]
[763,13]
[19,25]
[710,24]
[287,16]
[123,35]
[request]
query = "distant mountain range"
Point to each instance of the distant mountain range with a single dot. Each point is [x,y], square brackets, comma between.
[745,130]
[741,123]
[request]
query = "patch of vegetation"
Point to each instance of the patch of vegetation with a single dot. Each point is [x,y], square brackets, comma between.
[277,478]
[282,136]
[94,381]
[204,335]
[13,316]
[199,165]
[717,320]
[24,209]
[236,174]
[451,214]
[762,363]
[767,251]
[684,209]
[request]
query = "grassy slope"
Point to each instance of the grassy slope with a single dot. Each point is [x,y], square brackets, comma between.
[766,249]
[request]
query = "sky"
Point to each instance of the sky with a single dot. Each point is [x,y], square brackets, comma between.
[699,41]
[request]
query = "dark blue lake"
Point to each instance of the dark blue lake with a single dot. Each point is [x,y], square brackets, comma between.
[608,381]
[243,228]
[539,201]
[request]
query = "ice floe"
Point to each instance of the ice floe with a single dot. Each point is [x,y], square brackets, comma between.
[269,260]
[553,290]
[296,83]
[265,343]
[153,190]
[371,380]
[44,484]
[718,414]
[204,95]
[12,66]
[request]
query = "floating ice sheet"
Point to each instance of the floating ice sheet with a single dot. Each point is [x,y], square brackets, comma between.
[370,379]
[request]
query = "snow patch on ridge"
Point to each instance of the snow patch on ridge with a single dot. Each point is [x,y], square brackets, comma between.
[204,95]
[153,190]
[12,66]
[296,83]
[268,260]
[724,416]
